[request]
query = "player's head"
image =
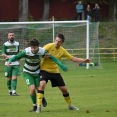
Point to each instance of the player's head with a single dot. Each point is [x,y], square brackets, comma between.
[34,44]
[11,36]
[59,40]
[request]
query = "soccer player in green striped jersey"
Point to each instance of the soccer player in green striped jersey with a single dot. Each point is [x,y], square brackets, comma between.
[9,49]
[31,69]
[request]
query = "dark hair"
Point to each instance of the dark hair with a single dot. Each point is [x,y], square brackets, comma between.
[10,32]
[34,42]
[61,36]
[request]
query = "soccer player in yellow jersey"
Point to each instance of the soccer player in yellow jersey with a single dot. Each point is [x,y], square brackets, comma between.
[50,71]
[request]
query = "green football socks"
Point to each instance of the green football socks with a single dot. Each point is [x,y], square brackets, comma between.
[14,84]
[9,84]
[33,98]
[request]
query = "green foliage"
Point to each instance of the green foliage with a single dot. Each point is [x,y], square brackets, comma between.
[108,35]
[30,17]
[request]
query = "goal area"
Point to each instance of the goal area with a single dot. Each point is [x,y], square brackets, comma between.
[81,38]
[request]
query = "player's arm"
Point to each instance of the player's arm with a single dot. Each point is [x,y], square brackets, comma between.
[75,59]
[4,52]
[62,66]
[16,57]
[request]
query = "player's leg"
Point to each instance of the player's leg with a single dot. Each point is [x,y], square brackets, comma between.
[66,96]
[30,82]
[8,75]
[37,83]
[40,94]
[44,102]
[14,85]
[15,73]
[9,85]
[65,93]
[58,81]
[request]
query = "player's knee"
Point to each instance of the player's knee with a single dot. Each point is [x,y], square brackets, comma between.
[42,85]
[32,89]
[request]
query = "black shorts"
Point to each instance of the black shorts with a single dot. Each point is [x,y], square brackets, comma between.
[55,78]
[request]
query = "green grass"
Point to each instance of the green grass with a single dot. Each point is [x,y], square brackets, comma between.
[94,91]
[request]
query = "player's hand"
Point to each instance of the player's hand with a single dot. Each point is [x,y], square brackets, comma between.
[47,55]
[87,60]
[8,64]
[8,57]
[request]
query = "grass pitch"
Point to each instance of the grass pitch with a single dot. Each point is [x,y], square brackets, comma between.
[93,91]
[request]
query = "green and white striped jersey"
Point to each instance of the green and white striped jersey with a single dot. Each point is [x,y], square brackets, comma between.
[11,49]
[32,60]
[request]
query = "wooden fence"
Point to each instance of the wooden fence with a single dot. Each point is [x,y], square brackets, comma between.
[104,52]
[108,52]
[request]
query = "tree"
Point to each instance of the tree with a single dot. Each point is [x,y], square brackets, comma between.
[23,10]
[113,10]
[46,10]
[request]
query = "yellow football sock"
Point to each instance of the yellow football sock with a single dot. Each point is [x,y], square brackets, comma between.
[67,98]
[39,99]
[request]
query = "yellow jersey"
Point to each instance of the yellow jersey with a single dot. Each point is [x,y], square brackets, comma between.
[49,65]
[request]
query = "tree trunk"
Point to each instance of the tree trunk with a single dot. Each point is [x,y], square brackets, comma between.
[20,9]
[23,10]
[114,11]
[46,10]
